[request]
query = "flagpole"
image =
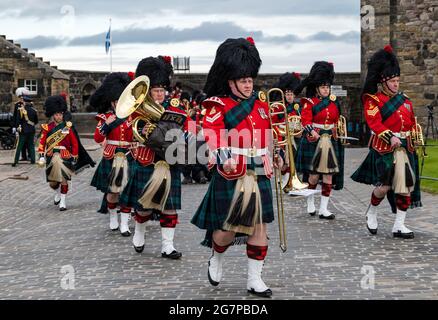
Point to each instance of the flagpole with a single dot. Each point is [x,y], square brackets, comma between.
[111,49]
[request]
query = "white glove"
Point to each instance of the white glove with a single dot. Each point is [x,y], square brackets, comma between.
[14,130]
[42,162]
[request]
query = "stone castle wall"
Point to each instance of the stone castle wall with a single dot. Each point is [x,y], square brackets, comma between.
[411,27]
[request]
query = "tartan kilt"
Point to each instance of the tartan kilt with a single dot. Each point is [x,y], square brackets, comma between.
[100,178]
[305,153]
[375,167]
[138,179]
[213,210]
[67,162]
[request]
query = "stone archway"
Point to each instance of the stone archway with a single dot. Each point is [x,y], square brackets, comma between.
[86,92]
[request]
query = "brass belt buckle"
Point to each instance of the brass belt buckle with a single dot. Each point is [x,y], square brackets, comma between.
[403,135]
[326,126]
[252,152]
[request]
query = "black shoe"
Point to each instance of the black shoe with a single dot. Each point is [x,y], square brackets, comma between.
[32,162]
[56,202]
[264,294]
[203,180]
[187,181]
[399,234]
[312,213]
[330,217]
[372,231]
[212,282]
[14,164]
[62,209]
[173,255]
[117,229]
[139,249]
[126,234]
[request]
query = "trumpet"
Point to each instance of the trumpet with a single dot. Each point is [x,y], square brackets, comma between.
[418,140]
[277,107]
[135,98]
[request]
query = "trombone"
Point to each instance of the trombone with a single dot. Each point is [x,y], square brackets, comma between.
[282,139]
[282,134]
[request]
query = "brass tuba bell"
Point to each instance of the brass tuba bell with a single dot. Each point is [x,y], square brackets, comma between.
[136,98]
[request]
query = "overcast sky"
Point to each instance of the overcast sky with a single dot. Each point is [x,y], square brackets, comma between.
[290,34]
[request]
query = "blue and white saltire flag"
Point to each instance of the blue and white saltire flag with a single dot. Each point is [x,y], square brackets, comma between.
[108,40]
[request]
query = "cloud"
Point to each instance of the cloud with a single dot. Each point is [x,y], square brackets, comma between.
[47,8]
[207,31]
[41,42]
[350,36]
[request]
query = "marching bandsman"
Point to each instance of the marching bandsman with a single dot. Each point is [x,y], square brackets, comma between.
[288,83]
[177,90]
[58,149]
[193,171]
[24,120]
[238,203]
[391,163]
[321,153]
[154,189]
[111,176]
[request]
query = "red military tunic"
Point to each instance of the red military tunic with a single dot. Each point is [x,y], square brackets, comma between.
[69,145]
[119,137]
[328,117]
[400,122]
[251,137]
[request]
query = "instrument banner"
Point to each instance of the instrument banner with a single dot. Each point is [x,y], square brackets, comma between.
[56,135]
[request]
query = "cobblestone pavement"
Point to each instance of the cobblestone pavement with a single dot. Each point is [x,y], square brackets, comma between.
[40,246]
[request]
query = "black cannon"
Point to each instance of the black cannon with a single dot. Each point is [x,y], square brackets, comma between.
[7,138]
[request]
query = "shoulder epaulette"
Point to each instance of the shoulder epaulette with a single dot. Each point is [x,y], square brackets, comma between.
[213,102]
[309,100]
[372,96]
[101,116]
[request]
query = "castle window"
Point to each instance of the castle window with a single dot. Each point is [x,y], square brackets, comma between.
[32,85]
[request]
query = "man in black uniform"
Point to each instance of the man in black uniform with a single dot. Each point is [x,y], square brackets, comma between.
[24,121]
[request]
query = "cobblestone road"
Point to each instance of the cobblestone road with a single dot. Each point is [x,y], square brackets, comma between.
[40,246]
